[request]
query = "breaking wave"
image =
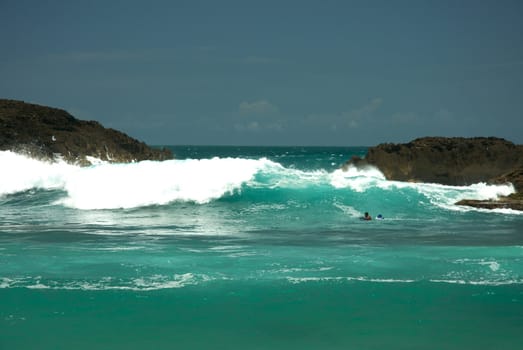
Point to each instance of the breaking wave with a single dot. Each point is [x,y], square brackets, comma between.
[147,183]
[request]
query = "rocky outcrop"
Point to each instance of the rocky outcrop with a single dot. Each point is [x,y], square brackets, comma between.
[514,201]
[515,177]
[48,133]
[450,161]
[502,203]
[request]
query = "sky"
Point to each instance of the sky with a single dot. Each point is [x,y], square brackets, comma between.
[310,73]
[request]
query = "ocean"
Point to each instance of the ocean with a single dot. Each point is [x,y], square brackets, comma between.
[252,248]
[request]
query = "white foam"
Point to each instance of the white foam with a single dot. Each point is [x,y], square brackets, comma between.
[357,179]
[478,283]
[21,173]
[442,196]
[118,249]
[493,265]
[95,161]
[296,280]
[447,196]
[500,282]
[299,269]
[228,248]
[277,176]
[38,285]
[348,210]
[109,186]
[146,283]
[5,282]
[161,282]
[362,179]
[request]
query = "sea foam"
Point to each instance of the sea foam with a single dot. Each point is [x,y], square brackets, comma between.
[109,186]
[21,173]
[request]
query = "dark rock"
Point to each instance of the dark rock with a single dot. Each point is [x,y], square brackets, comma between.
[515,177]
[502,203]
[450,161]
[45,132]
[357,162]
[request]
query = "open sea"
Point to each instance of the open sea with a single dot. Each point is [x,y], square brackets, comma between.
[252,248]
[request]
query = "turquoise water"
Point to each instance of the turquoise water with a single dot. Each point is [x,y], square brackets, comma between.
[252,248]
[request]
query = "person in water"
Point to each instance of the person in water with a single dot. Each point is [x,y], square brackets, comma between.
[367,216]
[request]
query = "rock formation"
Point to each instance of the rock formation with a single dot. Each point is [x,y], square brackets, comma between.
[502,203]
[451,161]
[48,133]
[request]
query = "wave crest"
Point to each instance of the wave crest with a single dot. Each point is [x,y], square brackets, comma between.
[110,186]
[115,186]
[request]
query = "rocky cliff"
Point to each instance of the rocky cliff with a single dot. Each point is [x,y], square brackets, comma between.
[450,161]
[45,132]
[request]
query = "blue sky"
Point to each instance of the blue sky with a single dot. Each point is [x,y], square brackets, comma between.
[271,72]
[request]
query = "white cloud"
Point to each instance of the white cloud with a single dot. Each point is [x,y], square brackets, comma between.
[440,117]
[404,118]
[118,55]
[260,60]
[353,124]
[352,119]
[250,126]
[358,115]
[257,107]
[260,115]
[443,115]
[98,56]
[256,126]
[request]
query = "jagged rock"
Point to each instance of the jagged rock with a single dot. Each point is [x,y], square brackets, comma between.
[515,177]
[45,132]
[502,203]
[450,161]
